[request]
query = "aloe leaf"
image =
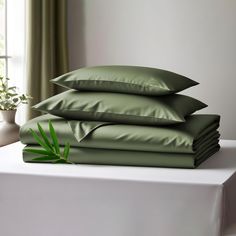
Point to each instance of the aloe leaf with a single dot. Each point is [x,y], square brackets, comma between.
[39,141]
[54,138]
[44,136]
[66,151]
[44,158]
[38,151]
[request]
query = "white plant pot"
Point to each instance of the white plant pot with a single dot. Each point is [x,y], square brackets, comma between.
[9,130]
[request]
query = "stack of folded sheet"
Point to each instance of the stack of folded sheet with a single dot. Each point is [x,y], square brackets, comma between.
[126,115]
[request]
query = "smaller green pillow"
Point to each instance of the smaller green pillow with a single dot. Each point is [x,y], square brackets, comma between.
[120,108]
[125,79]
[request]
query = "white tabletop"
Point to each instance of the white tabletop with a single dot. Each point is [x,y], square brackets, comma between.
[101,200]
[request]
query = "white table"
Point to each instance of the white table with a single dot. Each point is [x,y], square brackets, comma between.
[87,200]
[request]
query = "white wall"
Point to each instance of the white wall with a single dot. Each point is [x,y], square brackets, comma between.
[196,38]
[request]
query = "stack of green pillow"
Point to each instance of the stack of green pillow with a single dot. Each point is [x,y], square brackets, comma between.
[127,115]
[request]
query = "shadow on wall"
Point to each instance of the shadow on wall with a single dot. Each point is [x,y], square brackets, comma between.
[76,27]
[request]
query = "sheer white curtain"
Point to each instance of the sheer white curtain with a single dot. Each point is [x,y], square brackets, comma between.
[16,48]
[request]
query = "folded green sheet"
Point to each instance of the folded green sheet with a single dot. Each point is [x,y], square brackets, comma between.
[191,137]
[134,158]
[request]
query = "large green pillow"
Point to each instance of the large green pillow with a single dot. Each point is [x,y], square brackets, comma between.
[125,79]
[120,108]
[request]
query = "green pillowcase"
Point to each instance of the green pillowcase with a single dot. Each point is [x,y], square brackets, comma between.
[125,79]
[121,108]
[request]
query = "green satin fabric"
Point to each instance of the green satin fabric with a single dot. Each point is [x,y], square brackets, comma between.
[193,136]
[133,158]
[125,79]
[121,108]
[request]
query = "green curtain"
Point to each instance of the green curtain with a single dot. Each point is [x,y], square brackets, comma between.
[46,48]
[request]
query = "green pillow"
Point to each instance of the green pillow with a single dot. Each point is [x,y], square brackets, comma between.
[121,108]
[125,79]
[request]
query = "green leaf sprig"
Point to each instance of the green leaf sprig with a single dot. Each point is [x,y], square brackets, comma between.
[51,149]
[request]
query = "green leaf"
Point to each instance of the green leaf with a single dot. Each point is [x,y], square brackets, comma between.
[39,141]
[44,158]
[62,161]
[66,151]
[44,136]
[12,94]
[15,100]
[12,88]
[38,151]
[54,137]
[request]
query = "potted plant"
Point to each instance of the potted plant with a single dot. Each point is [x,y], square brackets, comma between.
[10,99]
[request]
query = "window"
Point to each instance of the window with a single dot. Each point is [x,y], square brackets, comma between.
[3,38]
[12,45]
